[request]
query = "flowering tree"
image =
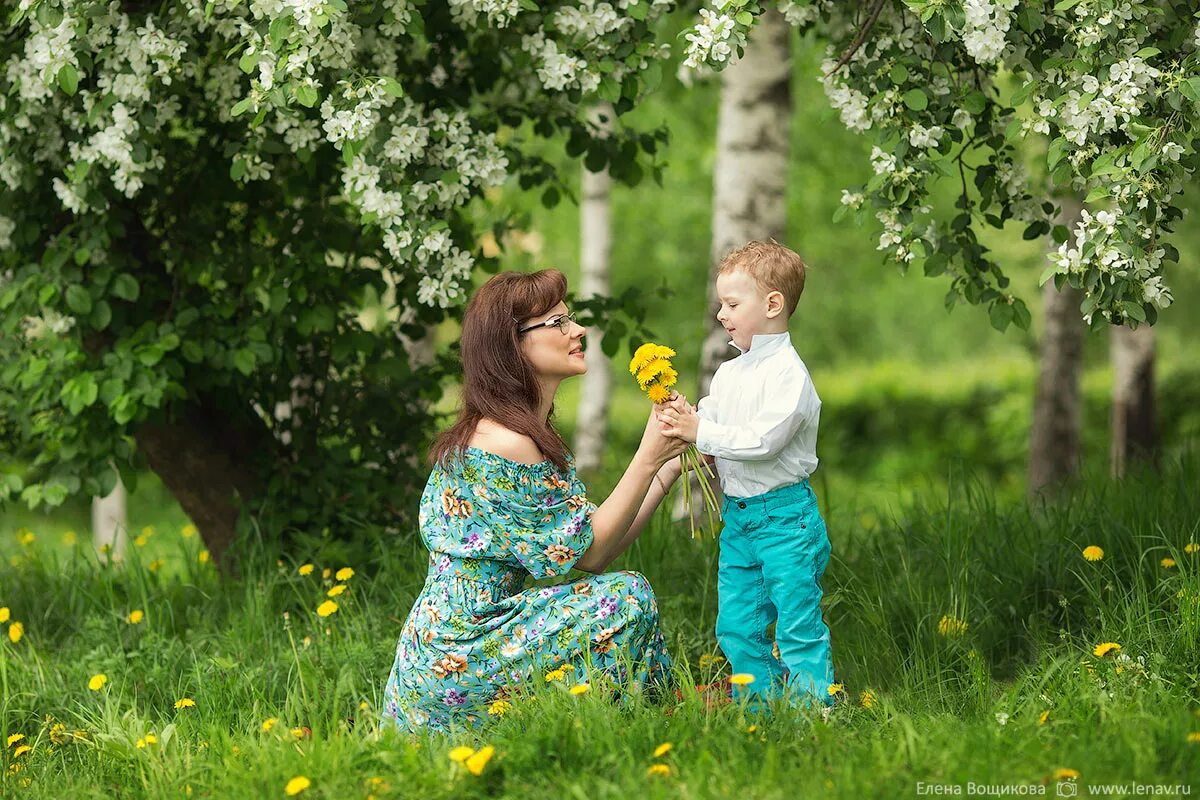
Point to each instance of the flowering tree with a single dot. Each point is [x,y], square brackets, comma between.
[952,90]
[220,219]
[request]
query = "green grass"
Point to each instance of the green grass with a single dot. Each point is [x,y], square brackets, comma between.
[253,649]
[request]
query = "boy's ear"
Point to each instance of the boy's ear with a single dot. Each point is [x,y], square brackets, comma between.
[775,303]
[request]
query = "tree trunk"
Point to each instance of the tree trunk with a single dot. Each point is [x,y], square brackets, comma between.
[1057,407]
[1134,424]
[110,524]
[750,173]
[595,239]
[204,460]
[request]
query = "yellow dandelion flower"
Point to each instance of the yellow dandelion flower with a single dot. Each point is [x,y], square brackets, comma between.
[479,759]
[140,744]
[951,627]
[580,688]
[325,573]
[135,616]
[185,702]
[660,770]
[836,688]
[1064,774]
[268,723]
[662,749]
[15,632]
[1045,715]
[188,531]
[364,706]
[16,737]
[203,557]
[22,750]
[652,370]
[297,733]
[499,708]
[1191,547]
[148,531]
[1167,563]
[4,614]
[336,590]
[344,574]
[641,357]
[97,681]
[327,608]
[752,729]
[461,753]
[867,699]
[27,538]
[1194,737]
[69,538]
[296,785]
[58,733]
[141,540]
[1103,649]
[741,679]
[1093,553]
[155,565]
[305,569]
[555,675]
[658,394]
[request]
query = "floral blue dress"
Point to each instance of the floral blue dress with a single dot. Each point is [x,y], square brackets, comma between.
[475,634]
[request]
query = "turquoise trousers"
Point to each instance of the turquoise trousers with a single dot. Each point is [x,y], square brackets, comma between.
[774,550]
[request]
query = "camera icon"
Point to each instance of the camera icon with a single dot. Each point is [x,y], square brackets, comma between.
[1067,788]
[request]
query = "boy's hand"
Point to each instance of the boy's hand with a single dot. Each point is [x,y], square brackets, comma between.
[680,420]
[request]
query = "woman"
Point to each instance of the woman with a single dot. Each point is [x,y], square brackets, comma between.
[503,503]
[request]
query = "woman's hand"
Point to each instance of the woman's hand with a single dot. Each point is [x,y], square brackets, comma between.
[656,446]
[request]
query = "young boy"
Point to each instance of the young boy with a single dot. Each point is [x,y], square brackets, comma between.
[760,422]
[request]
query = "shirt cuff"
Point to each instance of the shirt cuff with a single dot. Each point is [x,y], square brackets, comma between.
[706,437]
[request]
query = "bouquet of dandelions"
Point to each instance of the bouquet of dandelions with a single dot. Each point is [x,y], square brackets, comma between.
[651,365]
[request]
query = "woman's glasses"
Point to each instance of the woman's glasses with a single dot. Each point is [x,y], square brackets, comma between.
[562,322]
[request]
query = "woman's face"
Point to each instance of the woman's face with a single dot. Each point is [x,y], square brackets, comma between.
[554,353]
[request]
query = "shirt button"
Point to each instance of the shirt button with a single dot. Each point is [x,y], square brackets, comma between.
[741,504]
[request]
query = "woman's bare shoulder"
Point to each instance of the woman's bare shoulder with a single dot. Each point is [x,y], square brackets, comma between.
[495,438]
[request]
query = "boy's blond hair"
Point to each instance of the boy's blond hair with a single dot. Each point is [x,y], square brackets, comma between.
[774,267]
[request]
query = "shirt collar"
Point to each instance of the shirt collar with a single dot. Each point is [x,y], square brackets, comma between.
[763,344]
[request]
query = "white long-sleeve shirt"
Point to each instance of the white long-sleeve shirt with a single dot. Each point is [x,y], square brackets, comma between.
[760,418]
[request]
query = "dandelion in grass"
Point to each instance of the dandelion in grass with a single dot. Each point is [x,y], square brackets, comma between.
[662,749]
[296,785]
[325,573]
[1066,774]
[1191,547]
[336,590]
[305,569]
[479,759]
[4,614]
[135,616]
[344,574]
[25,537]
[16,737]
[741,679]
[1194,737]
[188,531]
[499,708]
[185,702]
[951,627]
[69,538]
[203,557]
[555,675]
[58,733]
[651,366]
[580,688]
[22,750]
[1106,648]
[752,729]
[867,699]
[836,689]
[1093,553]
[1042,717]
[149,740]
[327,608]
[659,770]
[97,681]
[1167,563]
[269,723]
[300,733]
[155,565]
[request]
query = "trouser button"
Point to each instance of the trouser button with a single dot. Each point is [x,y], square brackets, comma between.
[741,504]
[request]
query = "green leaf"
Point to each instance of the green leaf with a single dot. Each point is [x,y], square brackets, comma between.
[1048,273]
[68,79]
[898,74]
[237,169]
[391,86]
[745,18]
[241,106]
[243,359]
[975,103]
[125,286]
[307,95]
[1098,193]
[1058,149]
[1133,310]
[1190,89]
[916,100]
[1001,314]
[249,61]
[1066,5]
[101,315]
[640,11]
[78,300]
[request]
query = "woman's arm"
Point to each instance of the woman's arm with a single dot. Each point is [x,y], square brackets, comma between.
[619,520]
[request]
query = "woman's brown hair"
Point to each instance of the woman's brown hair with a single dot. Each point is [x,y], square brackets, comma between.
[498,381]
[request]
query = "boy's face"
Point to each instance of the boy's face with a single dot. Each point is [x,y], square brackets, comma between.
[746,310]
